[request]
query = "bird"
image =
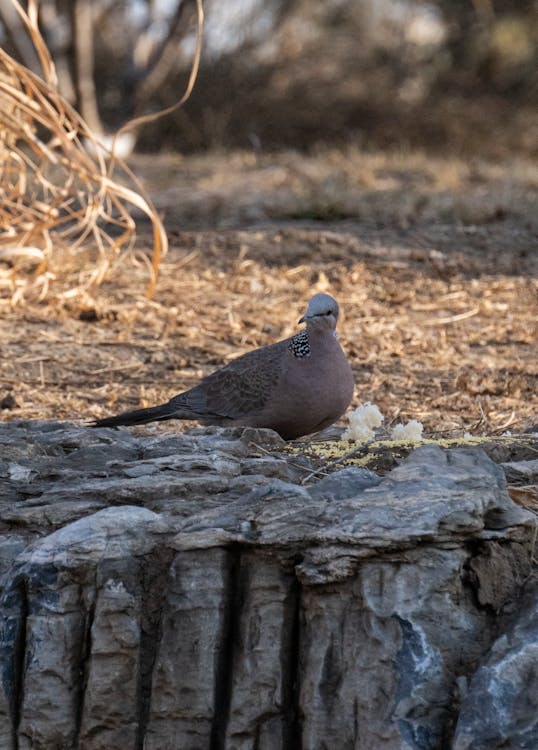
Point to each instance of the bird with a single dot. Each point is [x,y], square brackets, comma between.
[297,386]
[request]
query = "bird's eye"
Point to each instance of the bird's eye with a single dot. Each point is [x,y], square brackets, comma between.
[328,312]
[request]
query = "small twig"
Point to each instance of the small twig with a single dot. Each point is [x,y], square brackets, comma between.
[483,418]
[186,259]
[261,448]
[270,453]
[118,368]
[453,318]
[508,422]
[28,360]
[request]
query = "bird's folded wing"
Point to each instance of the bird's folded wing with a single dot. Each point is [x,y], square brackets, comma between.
[243,387]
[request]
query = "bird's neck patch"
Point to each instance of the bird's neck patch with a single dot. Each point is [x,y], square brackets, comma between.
[299,346]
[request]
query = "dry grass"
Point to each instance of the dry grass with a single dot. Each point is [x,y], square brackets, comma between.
[64,200]
[59,206]
[434,262]
[439,317]
[382,188]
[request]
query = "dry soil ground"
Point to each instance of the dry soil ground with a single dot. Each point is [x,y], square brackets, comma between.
[434,262]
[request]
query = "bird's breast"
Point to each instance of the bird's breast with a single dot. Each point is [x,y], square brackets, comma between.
[320,387]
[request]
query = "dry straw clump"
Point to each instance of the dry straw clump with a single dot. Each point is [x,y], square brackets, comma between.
[64,214]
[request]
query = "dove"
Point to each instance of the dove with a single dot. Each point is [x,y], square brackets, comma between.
[297,386]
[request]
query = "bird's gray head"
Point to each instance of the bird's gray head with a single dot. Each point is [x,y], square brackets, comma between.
[322,312]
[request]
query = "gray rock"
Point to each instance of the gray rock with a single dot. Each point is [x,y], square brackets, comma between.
[187,591]
[521,472]
[345,483]
[500,709]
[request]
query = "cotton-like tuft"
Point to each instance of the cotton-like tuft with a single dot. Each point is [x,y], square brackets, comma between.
[410,432]
[362,422]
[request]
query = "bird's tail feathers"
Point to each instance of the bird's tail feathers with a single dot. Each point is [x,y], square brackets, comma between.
[138,416]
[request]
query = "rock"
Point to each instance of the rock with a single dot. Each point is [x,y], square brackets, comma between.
[188,591]
[500,708]
[345,483]
[521,472]
[8,401]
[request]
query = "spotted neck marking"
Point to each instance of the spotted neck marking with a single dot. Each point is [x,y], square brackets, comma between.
[299,346]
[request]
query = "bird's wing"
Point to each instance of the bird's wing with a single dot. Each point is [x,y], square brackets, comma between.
[240,388]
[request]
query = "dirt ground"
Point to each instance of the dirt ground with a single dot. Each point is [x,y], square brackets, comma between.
[434,263]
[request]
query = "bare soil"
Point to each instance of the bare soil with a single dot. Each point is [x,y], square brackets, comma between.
[434,263]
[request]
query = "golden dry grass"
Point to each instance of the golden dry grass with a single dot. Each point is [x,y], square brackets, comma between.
[439,314]
[65,200]
[57,201]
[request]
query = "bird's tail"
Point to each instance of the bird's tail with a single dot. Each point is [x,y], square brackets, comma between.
[138,416]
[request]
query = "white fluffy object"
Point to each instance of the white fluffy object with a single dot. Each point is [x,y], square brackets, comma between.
[362,422]
[408,433]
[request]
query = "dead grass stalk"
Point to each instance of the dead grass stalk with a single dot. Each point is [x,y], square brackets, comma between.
[65,203]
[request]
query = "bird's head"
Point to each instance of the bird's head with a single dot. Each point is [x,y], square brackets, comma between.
[322,312]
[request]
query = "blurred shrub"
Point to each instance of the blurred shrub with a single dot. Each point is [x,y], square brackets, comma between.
[459,74]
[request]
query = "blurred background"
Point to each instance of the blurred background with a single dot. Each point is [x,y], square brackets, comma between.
[380,150]
[457,75]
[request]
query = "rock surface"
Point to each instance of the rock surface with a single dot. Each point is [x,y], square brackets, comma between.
[501,705]
[183,592]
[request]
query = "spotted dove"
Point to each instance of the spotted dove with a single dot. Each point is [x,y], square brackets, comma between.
[297,386]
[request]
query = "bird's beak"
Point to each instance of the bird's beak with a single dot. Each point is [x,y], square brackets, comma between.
[303,319]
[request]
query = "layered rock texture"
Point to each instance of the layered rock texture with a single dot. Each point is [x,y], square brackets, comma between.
[191,592]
